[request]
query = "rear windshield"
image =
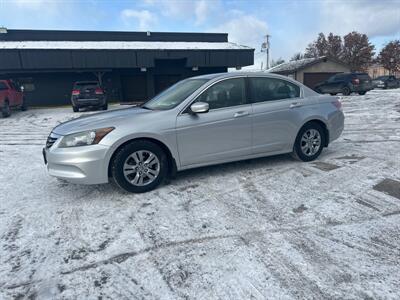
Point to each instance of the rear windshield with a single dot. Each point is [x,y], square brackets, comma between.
[382,78]
[86,84]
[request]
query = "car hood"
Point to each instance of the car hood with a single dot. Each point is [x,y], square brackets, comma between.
[99,120]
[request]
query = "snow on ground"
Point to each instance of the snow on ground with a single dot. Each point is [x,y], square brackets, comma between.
[265,228]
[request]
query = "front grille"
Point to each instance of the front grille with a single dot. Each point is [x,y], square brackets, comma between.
[51,139]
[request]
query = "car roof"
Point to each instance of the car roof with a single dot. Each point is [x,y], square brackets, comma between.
[239,74]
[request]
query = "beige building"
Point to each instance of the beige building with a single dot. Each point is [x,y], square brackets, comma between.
[310,71]
[377,70]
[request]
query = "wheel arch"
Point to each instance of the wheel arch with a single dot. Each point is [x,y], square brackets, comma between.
[172,166]
[321,123]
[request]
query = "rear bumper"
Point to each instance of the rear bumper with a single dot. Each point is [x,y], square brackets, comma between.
[81,102]
[362,88]
[335,125]
[82,165]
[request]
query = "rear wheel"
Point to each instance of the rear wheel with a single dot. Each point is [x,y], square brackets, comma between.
[75,108]
[346,91]
[139,166]
[6,111]
[333,94]
[362,93]
[309,142]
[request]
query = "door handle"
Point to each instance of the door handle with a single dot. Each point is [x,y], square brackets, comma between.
[295,104]
[240,114]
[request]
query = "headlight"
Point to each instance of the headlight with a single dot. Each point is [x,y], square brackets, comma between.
[84,138]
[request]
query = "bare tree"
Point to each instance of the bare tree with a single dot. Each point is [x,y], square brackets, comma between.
[334,47]
[389,56]
[317,48]
[297,56]
[358,52]
[277,62]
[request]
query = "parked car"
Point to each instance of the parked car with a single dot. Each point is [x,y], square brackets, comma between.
[386,82]
[11,97]
[346,83]
[88,94]
[205,120]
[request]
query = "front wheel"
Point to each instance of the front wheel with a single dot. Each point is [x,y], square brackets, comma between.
[139,166]
[309,142]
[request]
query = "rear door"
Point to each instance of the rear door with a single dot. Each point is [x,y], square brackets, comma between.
[277,110]
[223,133]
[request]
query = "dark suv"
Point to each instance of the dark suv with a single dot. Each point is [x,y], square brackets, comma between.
[386,82]
[88,93]
[346,83]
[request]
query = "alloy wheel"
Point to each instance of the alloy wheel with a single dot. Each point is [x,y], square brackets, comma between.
[141,168]
[310,142]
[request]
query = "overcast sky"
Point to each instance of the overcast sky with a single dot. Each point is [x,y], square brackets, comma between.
[292,24]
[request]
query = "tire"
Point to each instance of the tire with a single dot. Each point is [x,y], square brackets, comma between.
[300,145]
[346,91]
[125,157]
[362,93]
[6,111]
[24,106]
[75,108]
[333,94]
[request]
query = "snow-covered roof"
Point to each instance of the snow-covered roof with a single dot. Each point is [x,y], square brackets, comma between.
[120,45]
[296,64]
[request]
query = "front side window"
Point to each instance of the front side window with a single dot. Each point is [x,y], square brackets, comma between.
[269,89]
[174,95]
[230,92]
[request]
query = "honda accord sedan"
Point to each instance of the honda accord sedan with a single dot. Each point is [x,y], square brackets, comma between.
[199,121]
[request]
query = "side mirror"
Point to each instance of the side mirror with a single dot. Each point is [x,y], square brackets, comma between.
[199,107]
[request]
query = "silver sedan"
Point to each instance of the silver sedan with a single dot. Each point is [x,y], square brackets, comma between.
[204,120]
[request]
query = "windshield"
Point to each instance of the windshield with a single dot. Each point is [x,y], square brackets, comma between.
[174,95]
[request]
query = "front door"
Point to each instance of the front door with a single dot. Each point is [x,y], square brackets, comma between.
[276,114]
[223,133]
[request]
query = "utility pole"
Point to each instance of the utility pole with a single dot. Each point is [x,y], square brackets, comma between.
[265,48]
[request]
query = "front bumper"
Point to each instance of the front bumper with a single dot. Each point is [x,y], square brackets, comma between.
[82,165]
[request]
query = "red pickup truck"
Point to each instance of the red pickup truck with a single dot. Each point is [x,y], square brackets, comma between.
[10,97]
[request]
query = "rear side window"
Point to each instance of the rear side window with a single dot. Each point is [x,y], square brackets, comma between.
[269,89]
[230,92]
[3,86]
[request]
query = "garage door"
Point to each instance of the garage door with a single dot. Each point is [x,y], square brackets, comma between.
[134,88]
[312,79]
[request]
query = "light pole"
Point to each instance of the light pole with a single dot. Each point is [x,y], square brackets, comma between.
[265,48]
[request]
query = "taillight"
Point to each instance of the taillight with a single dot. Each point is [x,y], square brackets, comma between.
[75,92]
[337,104]
[98,91]
[356,81]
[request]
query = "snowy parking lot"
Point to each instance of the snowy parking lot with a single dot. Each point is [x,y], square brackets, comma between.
[270,228]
